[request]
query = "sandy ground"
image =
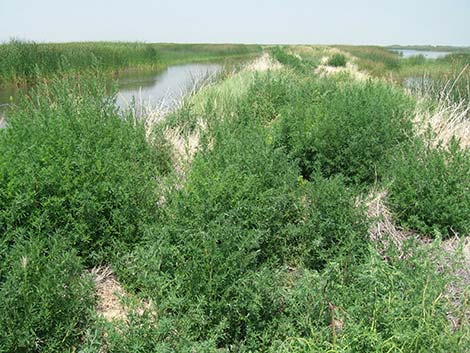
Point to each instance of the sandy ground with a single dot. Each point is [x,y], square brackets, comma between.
[109,293]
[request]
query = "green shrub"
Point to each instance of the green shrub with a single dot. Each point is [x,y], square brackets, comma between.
[265,98]
[333,227]
[45,299]
[337,60]
[289,309]
[292,61]
[344,128]
[70,164]
[430,189]
[242,210]
[217,233]
[251,257]
[386,306]
[143,332]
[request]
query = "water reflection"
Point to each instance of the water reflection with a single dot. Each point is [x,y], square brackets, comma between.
[163,88]
[155,88]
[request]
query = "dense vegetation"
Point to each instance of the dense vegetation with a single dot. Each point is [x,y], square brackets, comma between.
[261,246]
[76,179]
[347,129]
[45,300]
[337,60]
[430,189]
[22,62]
[70,166]
[445,78]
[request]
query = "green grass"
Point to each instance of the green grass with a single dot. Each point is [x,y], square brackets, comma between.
[445,79]
[373,59]
[23,62]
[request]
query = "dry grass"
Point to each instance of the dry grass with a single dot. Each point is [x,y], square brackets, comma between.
[263,63]
[184,146]
[110,295]
[383,231]
[447,121]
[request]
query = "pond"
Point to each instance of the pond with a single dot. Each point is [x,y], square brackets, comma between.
[408,53]
[148,89]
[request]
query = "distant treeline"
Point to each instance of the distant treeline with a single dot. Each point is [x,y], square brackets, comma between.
[23,61]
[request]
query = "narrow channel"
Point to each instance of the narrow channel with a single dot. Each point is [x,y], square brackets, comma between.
[147,89]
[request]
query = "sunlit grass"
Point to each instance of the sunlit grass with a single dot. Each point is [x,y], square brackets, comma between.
[23,62]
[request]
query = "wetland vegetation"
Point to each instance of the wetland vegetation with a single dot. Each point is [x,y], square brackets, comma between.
[446,77]
[307,202]
[22,61]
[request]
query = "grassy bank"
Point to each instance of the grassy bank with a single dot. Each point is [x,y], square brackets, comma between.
[22,62]
[236,224]
[443,78]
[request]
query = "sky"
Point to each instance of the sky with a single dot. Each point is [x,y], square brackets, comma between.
[405,22]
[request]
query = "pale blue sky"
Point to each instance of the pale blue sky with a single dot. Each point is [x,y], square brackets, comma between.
[246,21]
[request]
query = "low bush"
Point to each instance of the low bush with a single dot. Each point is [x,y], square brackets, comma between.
[45,299]
[293,61]
[266,96]
[337,60]
[294,309]
[70,164]
[430,188]
[385,306]
[342,128]
[210,267]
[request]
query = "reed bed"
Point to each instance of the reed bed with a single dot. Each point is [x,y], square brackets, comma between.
[23,61]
